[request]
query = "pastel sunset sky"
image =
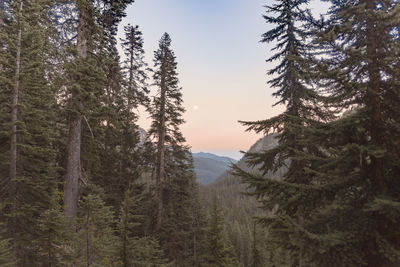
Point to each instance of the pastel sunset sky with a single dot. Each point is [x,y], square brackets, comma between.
[221,65]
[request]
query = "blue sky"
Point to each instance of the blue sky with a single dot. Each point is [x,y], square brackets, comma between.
[221,66]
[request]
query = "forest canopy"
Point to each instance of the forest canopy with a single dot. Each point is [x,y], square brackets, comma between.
[82,184]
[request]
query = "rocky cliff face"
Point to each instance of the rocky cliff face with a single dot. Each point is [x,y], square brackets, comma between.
[265,143]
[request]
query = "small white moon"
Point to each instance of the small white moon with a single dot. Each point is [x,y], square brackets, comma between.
[196,107]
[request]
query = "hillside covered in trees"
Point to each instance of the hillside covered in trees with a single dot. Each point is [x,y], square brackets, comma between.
[81,184]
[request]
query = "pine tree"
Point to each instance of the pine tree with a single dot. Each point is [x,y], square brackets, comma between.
[128,227]
[95,238]
[111,149]
[135,68]
[136,249]
[148,253]
[199,242]
[32,176]
[103,16]
[220,251]
[258,258]
[166,112]
[178,230]
[288,201]
[176,190]
[114,122]
[75,121]
[356,226]
[53,235]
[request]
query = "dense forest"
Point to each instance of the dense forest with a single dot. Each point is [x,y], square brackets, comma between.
[81,184]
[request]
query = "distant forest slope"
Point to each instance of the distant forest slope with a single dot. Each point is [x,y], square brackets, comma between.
[239,208]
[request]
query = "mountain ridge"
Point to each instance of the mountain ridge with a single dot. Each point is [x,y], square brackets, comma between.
[209,167]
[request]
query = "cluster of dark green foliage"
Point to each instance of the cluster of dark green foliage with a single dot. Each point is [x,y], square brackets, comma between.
[337,203]
[77,185]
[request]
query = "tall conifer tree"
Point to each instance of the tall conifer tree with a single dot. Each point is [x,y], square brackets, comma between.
[257,253]
[166,112]
[73,152]
[105,16]
[176,188]
[135,248]
[220,252]
[95,239]
[287,201]
[356,224]
[135,68]
[33,177]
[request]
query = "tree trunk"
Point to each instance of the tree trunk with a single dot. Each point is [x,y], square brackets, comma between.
[14,119]
[374,95]
[73,170]
[376,126]
[14,111]
[131,94]
[161,153]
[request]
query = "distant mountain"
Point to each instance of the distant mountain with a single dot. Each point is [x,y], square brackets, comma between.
[214,157]
[209,167]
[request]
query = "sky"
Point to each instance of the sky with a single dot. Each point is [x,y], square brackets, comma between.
[221,66]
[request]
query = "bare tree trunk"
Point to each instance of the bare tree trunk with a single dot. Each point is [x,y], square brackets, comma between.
[14,119]
[73,170]
[14,111]
[161,154]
